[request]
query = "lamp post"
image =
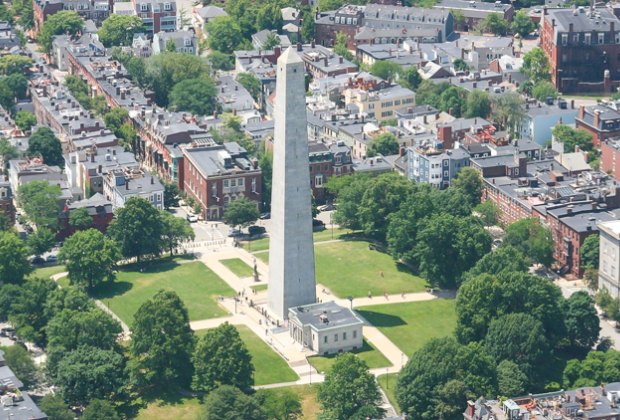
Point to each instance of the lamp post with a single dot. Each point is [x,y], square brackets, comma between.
[350,298]
[331,222]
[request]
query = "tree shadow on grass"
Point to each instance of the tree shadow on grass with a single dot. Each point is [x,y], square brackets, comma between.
[378,319]
[108,290]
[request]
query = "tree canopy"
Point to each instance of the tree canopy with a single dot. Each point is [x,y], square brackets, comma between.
[224,34]
[44,143]
[229,403]
[581,320]
[536,65]
[241,212]
[119,30]
[387,70]
[60,23]
[41,241]
[522,24]
[39,200]
[589,251]
[494,23]
[532,239]
[221,358]
[384,144]
[572,138]
[198,96]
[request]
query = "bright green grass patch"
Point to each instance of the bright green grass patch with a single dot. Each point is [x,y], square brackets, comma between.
[175,407]
[197,286]
[320,236]
[373,358]
[411,325]
[238,267]
[388,383]
[259,287]
[269,367]
[47,272]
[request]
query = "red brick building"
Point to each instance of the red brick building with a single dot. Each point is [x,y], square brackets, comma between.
[610,157]
[583,48]
[215,175]
[6,201]
[98,208]
[602,121]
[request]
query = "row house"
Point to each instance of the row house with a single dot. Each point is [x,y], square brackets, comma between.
[6,201]
[216,175]
[474,11]
[610,157]
[380,104]
[449,133]
[183,41]
[119,185]
[98,208]
[95,10]
[157,16]
[601,120]
[437,167]
[583,48]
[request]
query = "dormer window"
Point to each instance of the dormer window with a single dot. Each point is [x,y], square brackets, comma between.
[188,42]
[167,6]
[144,7]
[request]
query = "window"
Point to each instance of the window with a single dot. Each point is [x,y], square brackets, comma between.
[445,163]
[233,182]
[225,183]
[354,334]
[588,39]
[158,196]
[240,182]
[348,21]
[344,336]
[214,190]
[601,38]
[144,7]
[564,39]
[325,339]
[253,185]
[167,6]
[516,171]
[318,180]
[445,174]
[336,337]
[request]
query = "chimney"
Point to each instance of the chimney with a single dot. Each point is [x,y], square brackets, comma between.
[126,184]
[596,118]
[99,169]
[572,104]
[581,112]
[340,59]
[92,158]
[277,50]
[325,61]
[152,180]
[553,23]
[570,27]
[577,148]
[312,44]
[544,10]
[299,46]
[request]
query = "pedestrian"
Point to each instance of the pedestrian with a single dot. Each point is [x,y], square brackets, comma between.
[385,294]
[403,295]
[369,295]
[381,273]
[266,331]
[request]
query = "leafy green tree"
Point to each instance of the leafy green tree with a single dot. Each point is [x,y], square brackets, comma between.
[510,378]
[221,358]
[518,337]
[508,110]
[170,46]
[349,388]
[221,61]
[137,229]
[532,238]
[272,41]
[119,30]
[162,72]
[198,96]
[90,258]
[410,78]
[536,65]
[436,380]
[41,241]
[488,212]
[224,34]
[462,241]
[486,297]
[504,259]
[18,359]
[171,195]
[478,104]
[115,118]
[269,17]
[382,196]
[63,22]
[522,24]
[18,84]
[241,212]
[581,321]
[79,325]
[7,152]
[572,138]
[349,192]
[387,70]
[229,403]
[162,343]
[384,144]
[12,63]
[39,199]
[25,120]
[174,231]
[597,368]
[80,219]
[89,373]
[468,180]
[43,142]
[279,403]
[543,90]
[307,25]
[100,409]
[494,23]
[453,101]
[14,265]
[428,93]
[55,407]
[266,165]
[251,84]
[28,313]
[589,252]
[8,296]
[460,65]
[340,46]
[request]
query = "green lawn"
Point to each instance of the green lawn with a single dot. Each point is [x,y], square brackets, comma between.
[324,235]
[259,287]
[195,284]
[373,358]
[388,383]
[175,407]
[269,367]
[349,268]
[410,325]
[47,272]
[238,267]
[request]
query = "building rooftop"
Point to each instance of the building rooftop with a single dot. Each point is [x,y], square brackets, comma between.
[323,316]
[219,160]
[581,19]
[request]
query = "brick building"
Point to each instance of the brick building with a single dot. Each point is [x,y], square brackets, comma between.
[6,201]
[583,47]
[601,120]
[156,15]
[610,157]
[216,174]
[99,209]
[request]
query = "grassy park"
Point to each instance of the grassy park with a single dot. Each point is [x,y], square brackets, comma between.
[269,367]
[262,244]
[373,358]
[171,407]
[197,286]
[350,268]
[411,325]
[47,272]
[388,383]
[238,267]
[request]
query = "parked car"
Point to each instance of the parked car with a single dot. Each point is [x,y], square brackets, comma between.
[265,216]
[7,332]
[52,258]
[317,225]
[37,260]
[234,232]
[327,207]
[256,230]
[192,218]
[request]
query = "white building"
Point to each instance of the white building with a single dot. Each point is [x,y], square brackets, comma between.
[120,185]
[326,327]
[609,257]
